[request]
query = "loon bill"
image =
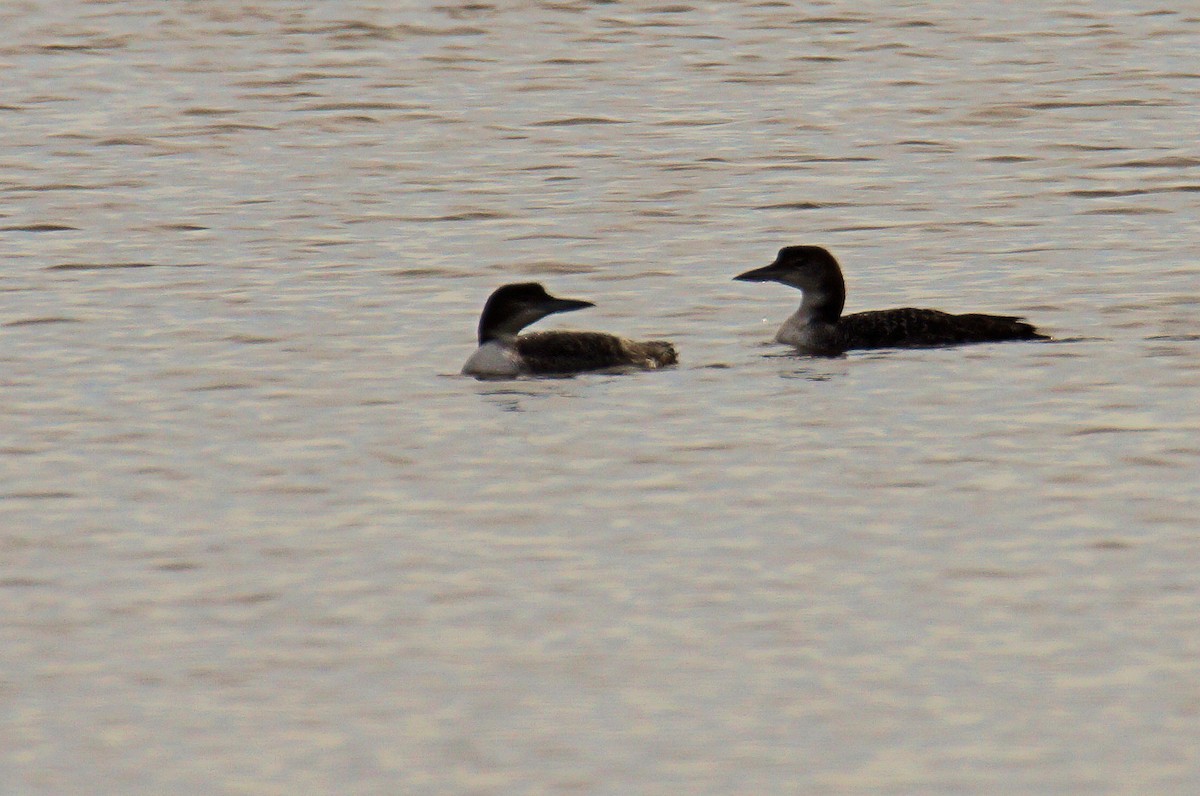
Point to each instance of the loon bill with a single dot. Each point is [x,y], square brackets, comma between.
[505,353]
[819,328]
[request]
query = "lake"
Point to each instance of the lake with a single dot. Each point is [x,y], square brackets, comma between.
[260,537]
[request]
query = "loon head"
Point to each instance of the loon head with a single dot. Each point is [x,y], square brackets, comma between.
[513,307]
[801,267]
[811,269]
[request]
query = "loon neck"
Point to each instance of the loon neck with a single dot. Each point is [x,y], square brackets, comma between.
[503,337]
[502,325]
[823,304]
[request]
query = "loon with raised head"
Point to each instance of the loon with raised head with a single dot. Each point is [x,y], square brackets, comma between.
[504,353]
[819,328]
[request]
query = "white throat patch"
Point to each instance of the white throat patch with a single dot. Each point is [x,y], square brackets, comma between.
[494,359]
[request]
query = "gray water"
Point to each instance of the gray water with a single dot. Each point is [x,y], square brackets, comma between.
[257,535]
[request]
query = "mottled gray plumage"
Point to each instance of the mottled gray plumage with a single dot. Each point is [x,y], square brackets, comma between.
[819,327]
[909,326]
[564,352]
[505,353]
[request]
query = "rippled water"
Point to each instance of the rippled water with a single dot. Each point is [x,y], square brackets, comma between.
[259,537]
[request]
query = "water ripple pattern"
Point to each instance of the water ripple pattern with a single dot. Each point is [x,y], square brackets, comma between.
[259,536]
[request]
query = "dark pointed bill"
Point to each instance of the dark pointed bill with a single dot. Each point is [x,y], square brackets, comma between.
[568,305]
[767,273]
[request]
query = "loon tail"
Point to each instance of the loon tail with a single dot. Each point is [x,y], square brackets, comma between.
[652,353]
[999,327]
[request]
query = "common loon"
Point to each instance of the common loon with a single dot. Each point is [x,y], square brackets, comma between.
[819,327]
[503,353]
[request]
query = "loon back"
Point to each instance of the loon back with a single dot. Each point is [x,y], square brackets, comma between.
[569,352]
[908,326]
[903,327]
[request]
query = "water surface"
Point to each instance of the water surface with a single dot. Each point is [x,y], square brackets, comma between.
[259,537]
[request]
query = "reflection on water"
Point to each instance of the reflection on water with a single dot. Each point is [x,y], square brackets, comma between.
[517,394]
[254,522]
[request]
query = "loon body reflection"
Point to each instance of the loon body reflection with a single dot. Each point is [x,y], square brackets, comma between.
[505,353]
[819,327]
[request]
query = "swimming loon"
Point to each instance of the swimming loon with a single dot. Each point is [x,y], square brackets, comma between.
[819,327]
[503,353]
